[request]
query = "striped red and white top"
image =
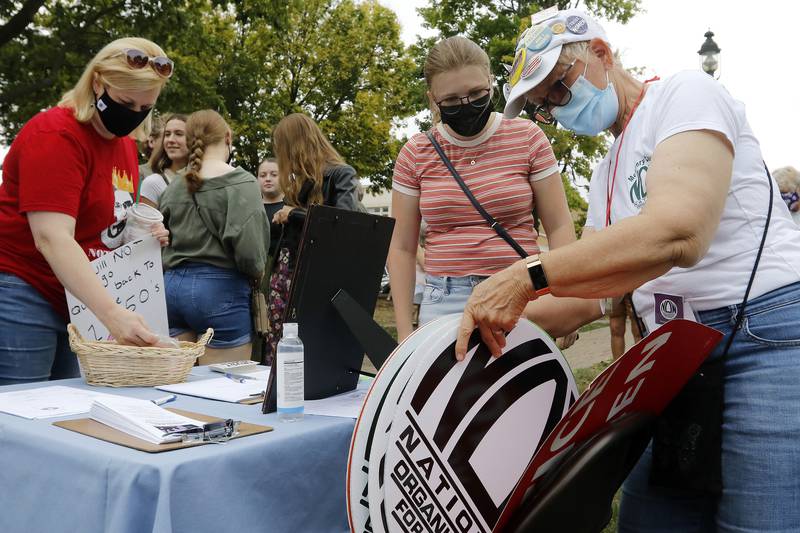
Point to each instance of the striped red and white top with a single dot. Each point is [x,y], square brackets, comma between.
[499,167]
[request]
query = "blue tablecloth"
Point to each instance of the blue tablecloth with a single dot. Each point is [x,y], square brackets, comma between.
[291,479]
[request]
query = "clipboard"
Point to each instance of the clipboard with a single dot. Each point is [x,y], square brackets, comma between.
[93,428]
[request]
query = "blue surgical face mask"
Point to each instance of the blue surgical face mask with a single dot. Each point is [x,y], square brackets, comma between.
[591,110]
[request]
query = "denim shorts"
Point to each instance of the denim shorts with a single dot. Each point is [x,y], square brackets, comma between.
[445,295]
[760,432]
[201,296]
[33,337]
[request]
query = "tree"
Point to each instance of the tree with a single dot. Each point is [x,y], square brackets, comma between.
[255,61]
[495,26]
[17,16]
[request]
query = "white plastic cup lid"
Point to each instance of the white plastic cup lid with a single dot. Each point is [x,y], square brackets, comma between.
[145,212]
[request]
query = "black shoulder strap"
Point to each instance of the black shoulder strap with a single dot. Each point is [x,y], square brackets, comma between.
[494,224]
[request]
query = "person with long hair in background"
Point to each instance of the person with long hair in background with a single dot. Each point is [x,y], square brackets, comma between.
[272,196]
[311,171]
[219,243]
[170,155]
[68,179]
[148,145]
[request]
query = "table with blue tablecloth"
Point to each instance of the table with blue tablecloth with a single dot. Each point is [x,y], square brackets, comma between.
[291,479]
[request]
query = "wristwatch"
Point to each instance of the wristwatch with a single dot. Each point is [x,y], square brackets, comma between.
[538,278]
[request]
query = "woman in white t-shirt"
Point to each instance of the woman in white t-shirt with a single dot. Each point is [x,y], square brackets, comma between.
[677,211]
[170,155]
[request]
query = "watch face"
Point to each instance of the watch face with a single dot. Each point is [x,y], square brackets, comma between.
[538,278]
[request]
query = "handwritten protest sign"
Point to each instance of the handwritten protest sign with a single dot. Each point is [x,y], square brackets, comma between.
[133,275]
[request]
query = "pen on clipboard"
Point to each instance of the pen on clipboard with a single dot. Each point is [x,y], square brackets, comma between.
[165,399]
[240,378]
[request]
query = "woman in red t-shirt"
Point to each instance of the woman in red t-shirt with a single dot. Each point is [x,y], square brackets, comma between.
[68,178]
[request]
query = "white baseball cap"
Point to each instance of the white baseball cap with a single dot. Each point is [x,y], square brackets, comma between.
[538,50]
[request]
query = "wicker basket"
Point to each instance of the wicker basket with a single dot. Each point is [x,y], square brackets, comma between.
[110,364]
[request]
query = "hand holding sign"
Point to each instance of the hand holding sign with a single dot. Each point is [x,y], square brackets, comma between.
[133,275]
[127,327]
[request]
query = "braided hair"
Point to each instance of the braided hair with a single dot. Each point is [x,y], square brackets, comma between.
[203,128]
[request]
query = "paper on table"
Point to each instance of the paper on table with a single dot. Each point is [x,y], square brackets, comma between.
[224,389]
[49,402]
[142,419]
[346,405]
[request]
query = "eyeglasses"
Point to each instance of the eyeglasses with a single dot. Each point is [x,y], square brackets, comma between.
[162,65]
[449,105]
[558,95]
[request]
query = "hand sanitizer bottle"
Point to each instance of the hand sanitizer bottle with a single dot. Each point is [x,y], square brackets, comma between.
[291,378]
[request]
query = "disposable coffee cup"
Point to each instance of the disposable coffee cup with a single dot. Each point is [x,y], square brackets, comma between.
[139,223]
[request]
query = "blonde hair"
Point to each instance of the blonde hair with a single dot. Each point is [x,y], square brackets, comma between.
[578,50]
[203,129]
[451,54]
[787,178]
[304,152]
[110,67]
[159,160]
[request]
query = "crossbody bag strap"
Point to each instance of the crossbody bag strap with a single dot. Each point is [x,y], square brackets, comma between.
[494,224]
[205,223]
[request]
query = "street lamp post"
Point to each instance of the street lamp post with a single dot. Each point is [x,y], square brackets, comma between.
[710,56]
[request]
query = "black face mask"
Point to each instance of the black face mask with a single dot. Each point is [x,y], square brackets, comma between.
[467,119]
[117,118]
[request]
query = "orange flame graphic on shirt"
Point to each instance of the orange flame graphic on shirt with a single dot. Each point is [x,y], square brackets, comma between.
[121,181]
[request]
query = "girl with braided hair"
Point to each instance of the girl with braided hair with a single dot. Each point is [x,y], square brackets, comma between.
[219,242]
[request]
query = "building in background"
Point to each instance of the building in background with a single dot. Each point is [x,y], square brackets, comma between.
[378,204]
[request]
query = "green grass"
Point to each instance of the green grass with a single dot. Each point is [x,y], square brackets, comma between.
[597,324]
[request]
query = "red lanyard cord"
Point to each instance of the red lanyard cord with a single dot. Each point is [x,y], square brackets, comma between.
[610,180]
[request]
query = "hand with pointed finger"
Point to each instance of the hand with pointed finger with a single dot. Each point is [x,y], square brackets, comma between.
[494,308]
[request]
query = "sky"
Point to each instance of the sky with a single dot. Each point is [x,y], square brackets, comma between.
[763,73]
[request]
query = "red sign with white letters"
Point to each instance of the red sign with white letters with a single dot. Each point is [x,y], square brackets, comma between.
[645,379]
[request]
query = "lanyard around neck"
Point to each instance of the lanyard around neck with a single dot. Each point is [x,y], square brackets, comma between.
[610,180]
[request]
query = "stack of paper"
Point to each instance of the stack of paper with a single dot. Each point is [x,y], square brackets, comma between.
[224,389]
[143,419]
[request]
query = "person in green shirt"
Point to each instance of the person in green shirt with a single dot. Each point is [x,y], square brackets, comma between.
[218,249]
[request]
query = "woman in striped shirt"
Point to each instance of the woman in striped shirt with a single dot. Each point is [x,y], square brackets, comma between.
[508,165]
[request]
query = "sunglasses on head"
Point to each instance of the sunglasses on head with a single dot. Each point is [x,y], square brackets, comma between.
[139,60]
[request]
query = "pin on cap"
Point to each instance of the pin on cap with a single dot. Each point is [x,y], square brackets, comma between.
[577,25]
[558,28]
[516,68]
[538,38]
[531,67]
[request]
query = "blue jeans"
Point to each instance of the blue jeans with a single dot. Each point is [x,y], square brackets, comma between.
[201,296]
[760,432]
[34,345]
[445,295]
